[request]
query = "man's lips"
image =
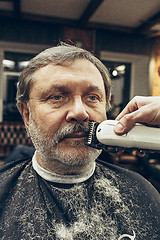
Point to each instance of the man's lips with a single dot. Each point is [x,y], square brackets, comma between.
[77,135]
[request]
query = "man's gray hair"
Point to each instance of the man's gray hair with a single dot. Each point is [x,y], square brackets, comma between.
[62,54]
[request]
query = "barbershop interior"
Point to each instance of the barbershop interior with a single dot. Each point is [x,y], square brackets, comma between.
[123,34]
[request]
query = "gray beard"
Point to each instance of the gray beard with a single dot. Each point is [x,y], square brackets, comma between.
[49,150]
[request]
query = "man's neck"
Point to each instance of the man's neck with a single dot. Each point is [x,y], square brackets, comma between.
[66,178]
[60,168]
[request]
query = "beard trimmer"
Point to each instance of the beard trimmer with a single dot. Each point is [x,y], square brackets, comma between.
[140,137]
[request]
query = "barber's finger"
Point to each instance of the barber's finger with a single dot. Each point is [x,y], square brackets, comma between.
[135,104]
[125,124]
[127,110]
[124,112]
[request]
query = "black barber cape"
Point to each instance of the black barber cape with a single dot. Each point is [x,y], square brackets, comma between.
[113,204]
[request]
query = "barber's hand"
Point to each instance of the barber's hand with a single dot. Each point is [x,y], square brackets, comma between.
[144,110]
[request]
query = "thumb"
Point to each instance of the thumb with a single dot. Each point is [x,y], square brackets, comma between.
[124,125]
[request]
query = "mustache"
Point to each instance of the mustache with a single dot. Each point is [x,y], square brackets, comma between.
[69,129]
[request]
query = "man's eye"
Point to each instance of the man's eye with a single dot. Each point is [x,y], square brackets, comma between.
[92,98]
[57,97]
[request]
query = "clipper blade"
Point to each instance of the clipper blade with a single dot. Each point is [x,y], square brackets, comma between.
[92,139]
[91,132]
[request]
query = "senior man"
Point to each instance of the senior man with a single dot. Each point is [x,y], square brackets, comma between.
[65,191]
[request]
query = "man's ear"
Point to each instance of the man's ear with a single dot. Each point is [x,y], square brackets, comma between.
[25,113]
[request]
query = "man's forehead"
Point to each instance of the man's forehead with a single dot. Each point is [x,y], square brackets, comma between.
[64,75]
[74,63]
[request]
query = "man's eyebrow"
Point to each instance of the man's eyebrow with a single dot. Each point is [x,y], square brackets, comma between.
[66,89]
[95,89]
[57,88]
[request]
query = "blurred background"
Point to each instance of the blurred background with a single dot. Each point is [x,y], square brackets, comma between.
[124,34]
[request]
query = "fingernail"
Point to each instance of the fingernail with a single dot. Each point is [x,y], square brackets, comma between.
[119,127]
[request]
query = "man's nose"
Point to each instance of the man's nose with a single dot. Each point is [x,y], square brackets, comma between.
[77,112]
